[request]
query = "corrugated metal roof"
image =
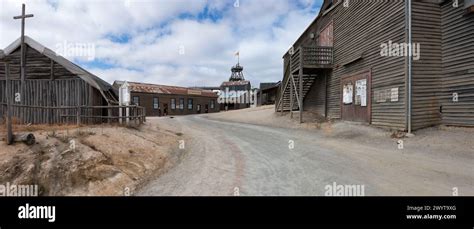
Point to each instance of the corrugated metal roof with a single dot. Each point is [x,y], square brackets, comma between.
[166,89]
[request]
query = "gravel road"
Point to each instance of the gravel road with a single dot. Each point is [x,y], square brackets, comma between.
[227,158]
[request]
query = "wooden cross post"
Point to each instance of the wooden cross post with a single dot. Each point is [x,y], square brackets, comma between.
[9,113]
[22,60]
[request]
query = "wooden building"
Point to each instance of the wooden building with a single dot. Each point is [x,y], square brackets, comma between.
[236,92]
[50,82]
[267,93]
[160,100]
[351,64]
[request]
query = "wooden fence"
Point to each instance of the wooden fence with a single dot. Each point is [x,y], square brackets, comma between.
[27,114]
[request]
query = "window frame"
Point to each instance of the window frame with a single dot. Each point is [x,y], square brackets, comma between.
[212,104]
[190,105]
[138,99]
[173,104]
[157,103]
[181,103]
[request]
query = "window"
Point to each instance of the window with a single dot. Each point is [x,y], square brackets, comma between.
[136,100]
[326,35]
[190,104]
[156,104]
[173,104]
[181,104]
[213,104]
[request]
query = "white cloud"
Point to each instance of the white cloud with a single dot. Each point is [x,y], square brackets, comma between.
[168,41]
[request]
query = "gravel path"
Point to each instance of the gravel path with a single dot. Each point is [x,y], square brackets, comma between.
[226,158]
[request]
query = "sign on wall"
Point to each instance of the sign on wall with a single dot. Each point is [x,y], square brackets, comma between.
[394,95]
[347,93]
[361,92]
[386,95]
[124,94]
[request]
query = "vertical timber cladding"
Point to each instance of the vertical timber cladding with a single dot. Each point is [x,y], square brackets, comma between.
[45,93]
[41,90]
[359,31]
[458,65]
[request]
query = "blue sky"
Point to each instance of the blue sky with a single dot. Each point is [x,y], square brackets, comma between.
[173,42]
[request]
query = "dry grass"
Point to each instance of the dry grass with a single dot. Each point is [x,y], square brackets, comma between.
[105,160]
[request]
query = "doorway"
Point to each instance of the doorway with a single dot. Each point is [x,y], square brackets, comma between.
[165,109]
[356,97]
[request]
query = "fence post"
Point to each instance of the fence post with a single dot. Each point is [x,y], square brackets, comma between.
[109,113]
[141,116]
[9,114]
[78,115]
[127,114]
[135,114]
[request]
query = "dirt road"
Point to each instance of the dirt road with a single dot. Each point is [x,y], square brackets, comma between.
[228,158]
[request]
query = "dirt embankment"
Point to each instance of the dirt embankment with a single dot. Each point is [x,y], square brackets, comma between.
[98,160]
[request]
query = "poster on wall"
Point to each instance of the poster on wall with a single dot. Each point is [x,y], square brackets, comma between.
[394,94]
[361,92]
[347,93]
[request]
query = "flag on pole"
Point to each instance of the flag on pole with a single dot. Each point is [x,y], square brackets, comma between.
[237,53]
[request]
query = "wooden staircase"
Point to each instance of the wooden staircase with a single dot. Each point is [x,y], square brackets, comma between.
[302,58]
[307,83]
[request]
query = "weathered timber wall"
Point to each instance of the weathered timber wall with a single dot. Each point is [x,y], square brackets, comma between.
[359,31]
[46,93]
[315,100]
[427,71]
[458,65]
[47,84]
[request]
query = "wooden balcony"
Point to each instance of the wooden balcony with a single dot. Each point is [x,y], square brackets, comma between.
[311,58]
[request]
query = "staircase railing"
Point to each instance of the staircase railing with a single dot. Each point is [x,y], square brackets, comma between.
[312,56]
[286,80]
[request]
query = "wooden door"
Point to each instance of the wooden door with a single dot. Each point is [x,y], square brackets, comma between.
[356,97]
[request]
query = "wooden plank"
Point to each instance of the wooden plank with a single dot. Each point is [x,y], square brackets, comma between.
[7,97]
